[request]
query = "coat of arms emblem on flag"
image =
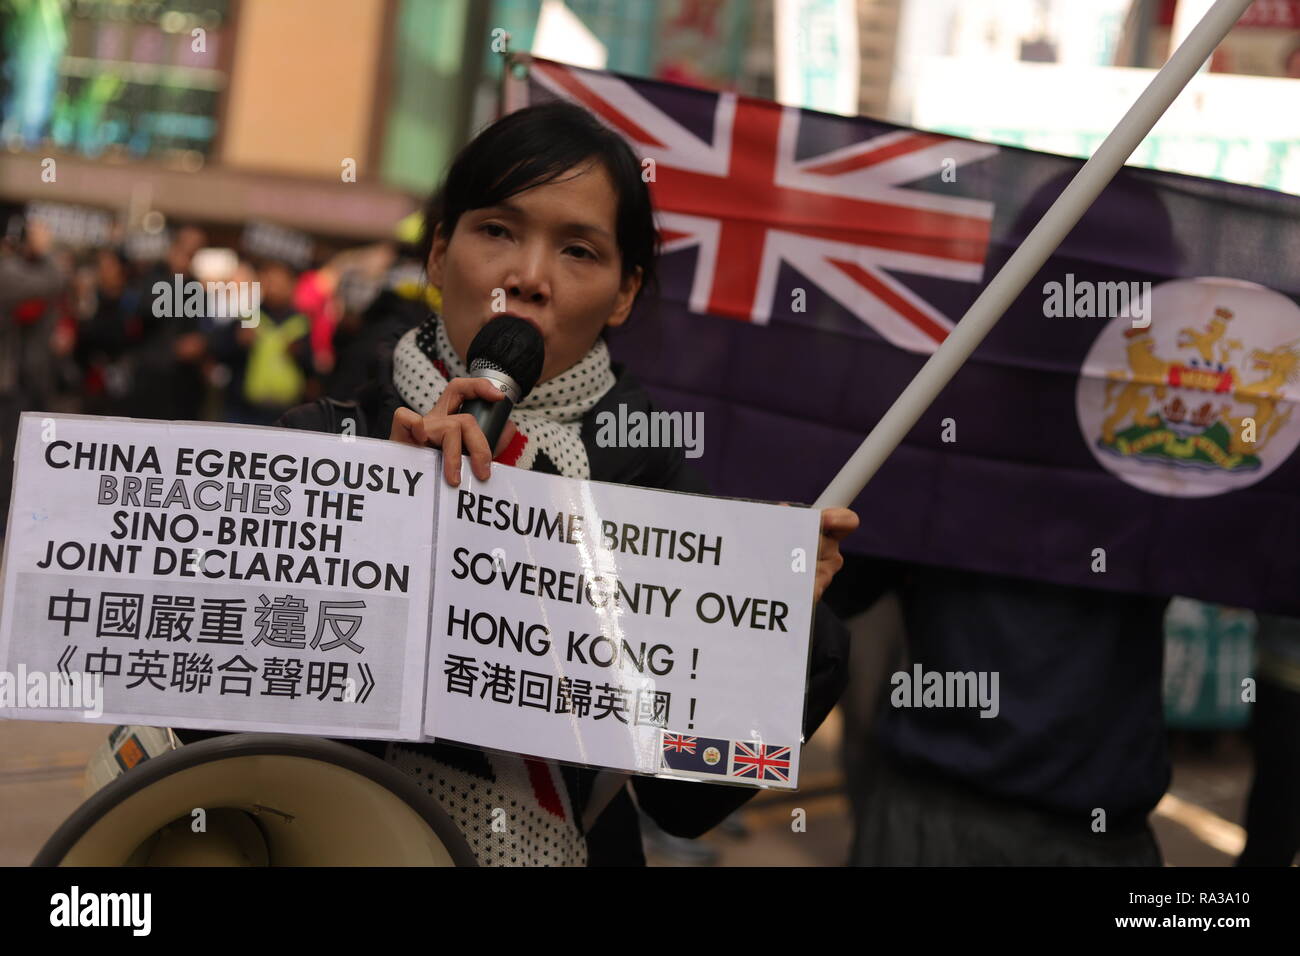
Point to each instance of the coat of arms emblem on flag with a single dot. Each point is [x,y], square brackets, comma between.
[1200,401]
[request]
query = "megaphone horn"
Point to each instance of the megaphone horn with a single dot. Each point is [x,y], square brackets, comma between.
[259,800]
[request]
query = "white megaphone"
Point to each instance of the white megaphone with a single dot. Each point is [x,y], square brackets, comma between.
[259,800]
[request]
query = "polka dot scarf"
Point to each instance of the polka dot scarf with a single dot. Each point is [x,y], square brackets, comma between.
[512,810]
[541,826]
[550,416]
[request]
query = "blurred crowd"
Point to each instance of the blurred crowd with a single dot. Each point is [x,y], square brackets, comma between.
[97,331]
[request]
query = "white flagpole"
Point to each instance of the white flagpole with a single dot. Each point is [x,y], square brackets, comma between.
[1025,262]
[514,89]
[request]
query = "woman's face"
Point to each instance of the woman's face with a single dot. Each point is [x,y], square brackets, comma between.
[548,255]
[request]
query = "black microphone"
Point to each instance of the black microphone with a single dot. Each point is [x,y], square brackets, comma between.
[508,352]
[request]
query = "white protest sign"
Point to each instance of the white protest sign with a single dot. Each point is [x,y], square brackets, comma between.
[219,577]
[621,627]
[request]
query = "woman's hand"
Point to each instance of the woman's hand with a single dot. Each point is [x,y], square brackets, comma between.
[455,434]
[837,524]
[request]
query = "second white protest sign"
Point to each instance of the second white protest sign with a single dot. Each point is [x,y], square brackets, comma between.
[621,627]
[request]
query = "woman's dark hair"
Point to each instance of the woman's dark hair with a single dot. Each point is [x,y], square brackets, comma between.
[535,146]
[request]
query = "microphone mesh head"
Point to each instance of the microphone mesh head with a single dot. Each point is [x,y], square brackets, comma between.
[512,345]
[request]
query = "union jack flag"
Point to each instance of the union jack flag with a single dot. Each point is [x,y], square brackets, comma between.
[761,762]
[676,743]
[756,186]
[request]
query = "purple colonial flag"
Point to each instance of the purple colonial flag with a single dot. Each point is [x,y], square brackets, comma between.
[1127,425]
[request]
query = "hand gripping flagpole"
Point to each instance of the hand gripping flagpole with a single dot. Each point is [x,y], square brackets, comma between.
[1025,262]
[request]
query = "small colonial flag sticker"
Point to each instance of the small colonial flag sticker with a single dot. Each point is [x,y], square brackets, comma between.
[695,754]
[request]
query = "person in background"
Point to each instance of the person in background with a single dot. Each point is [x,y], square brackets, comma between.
[1273,812]
[171,379]
[375,310]
[272,368]
[317,296]
[30,282]
[230,342]
[1071,759]
[108,333]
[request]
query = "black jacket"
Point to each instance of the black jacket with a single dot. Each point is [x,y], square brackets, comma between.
[684,809]
[1080,722]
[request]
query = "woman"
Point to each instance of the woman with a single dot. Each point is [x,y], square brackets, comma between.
[546,214]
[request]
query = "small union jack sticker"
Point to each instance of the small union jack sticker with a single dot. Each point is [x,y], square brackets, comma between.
[761,762]
[676,743]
